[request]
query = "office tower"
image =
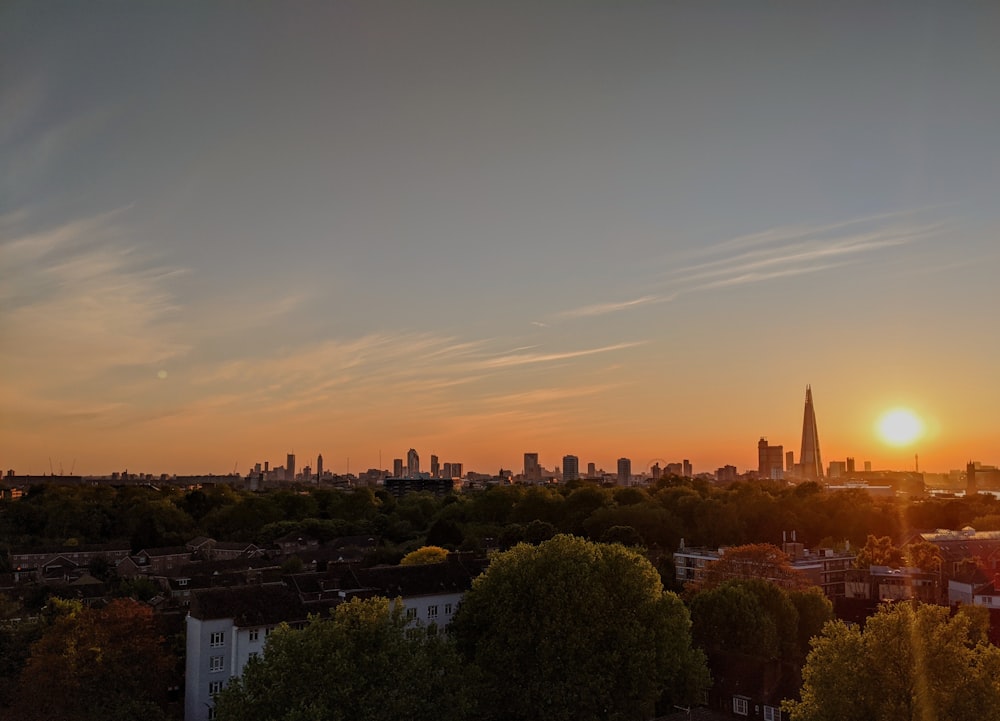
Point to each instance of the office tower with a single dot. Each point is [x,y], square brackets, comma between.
[836,469]
[809,457]
[435,467]
[412,463]
[571,468]
[532,471]
[306,473]
[624,471]
[266,464]
[446,471]
[456,470]
[290,467]
[770,460]
[850,465]
[688,470]
[656,472]
[591,470]
[397,467]
[868,466]
[319,467]
[256,468]
[971,487]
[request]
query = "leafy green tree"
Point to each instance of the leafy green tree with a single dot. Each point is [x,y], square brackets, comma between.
[571,629]
[363,664]
[923,555]
[910,663]
[425,555]
[814,610]
[878,551]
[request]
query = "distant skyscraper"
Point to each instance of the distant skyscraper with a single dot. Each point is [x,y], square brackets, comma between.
[290,467]
[532,471]
[456,470]
[790,461]
[770,460]
[971,487]
[624,471]
[435,467]
[412,463]
[810,462]
[397,467]
[850,465]
[591,470]
[688,471]
[319,467]
[571,468]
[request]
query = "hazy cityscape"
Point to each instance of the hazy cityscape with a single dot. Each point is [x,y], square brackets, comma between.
[520,361]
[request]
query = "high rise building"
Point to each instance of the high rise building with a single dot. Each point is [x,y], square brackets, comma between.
[971,487]
[770,460]
[810,462]
[688,470]
[290,467]
[850,465]
[456,470]
[532,471]
[571,468]
[412,463]
[435,467]
[591,470]
[624,471]
[319,467]
[397,467]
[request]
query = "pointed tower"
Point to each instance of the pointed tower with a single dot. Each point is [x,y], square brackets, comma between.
[809,458]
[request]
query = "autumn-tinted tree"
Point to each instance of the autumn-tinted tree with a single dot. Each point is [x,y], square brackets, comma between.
[360,665]
[425,555]
[95,665]
[910,663]
[574,630]
[760,561]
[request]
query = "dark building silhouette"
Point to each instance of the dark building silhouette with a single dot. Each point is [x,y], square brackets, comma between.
[971,488]
[770,460]
[810,462]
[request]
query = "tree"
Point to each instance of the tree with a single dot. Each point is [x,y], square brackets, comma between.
[425,555]
[878,551]
[363,664]
[760,561]
[923,555]
[571,629]
[110,664]
[911,662]
[752,617]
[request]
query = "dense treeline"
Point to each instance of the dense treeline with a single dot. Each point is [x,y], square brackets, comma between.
[657,517]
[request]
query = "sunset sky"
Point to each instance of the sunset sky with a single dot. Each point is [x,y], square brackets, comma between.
[230,231]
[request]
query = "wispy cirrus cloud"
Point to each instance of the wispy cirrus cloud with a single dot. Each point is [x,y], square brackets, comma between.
[772,255]
[518,359]
[614,307]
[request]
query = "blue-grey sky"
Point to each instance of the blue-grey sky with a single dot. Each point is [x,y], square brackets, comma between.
[233,230]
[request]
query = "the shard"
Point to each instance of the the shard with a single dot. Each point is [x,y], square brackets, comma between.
[810,463]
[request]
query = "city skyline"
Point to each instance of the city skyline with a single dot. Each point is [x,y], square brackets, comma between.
[228,233]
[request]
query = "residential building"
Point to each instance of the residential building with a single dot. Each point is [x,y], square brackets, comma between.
[770,460]
[624,471]
[571,468]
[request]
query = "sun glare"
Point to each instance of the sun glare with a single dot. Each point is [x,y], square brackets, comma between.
[900,427]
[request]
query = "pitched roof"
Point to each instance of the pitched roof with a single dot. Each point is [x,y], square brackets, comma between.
[249,605]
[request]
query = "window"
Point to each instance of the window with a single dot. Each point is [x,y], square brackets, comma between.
[215,664]
[447,609]
[432,612]
[740,705]
[211,713]
[216,639]
[254,634]
[411,613]
[772,714]
[214,687]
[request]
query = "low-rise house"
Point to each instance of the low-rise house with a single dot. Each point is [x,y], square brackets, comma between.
[225,627]
[882,583]
[28,562]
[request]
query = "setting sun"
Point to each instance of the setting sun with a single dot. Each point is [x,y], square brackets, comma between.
[900,427]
